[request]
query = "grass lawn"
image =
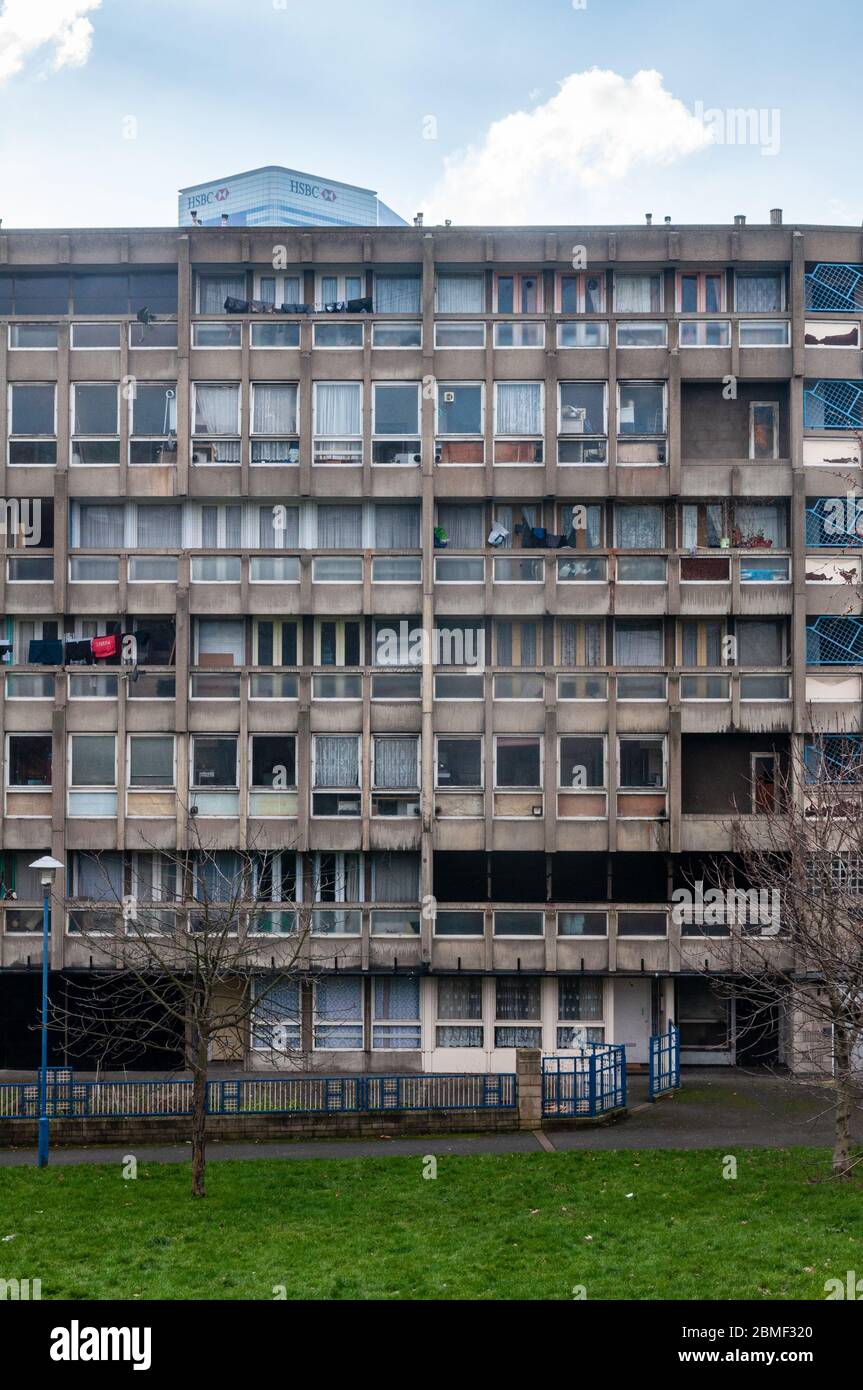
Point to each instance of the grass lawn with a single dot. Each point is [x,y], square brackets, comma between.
[511,1226]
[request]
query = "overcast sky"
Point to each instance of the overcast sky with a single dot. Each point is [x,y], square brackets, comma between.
[477,110]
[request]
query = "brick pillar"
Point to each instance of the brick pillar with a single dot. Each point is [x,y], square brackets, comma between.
[528,1068]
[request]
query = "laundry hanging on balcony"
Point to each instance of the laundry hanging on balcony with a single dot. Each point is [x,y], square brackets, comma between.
[260,306]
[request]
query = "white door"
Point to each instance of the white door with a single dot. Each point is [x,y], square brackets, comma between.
[632,1017]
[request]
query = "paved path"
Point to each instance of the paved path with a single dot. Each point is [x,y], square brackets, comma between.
[726,1110]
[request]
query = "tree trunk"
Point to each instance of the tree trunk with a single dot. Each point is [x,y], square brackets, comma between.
[200,1078]
[842,1132]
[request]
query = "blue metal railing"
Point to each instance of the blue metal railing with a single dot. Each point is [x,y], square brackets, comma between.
[834,641]
[833,405]
[306,1095]
[664,1062]
[590,1084]
[835,288]
[834,522]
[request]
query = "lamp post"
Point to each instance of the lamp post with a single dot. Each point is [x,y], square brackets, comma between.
[47,868]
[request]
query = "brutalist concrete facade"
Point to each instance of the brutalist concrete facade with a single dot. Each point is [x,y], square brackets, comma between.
[645,405]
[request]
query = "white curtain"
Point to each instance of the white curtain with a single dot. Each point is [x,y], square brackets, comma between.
[638,644]
[464,525]
[398,294]
[396,877]
[337,409]
[216,409]
[101,525]
[639,528]
[461,294]
[396,765]
[340,527]
[397,999]
[519,408]
[759,294]
[632,294]
[222,635]
[593,649]
[397,527]
[159,526]
[213,290]
[275,409]
[769,517]
[284,536]
[233,520]
[337,761]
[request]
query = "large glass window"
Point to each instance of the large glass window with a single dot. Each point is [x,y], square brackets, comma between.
[518,761]
[458,762]
[517,1002]
[338,422]
[214,761]
[396,1013]
[151,760]
[459,1012]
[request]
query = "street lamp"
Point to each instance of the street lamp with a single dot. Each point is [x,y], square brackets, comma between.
[47,869]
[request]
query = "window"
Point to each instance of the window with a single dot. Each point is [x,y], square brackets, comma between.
[93,770]
[338,422]
[581,294]
[124,293]
[332,334]
[338,1021]
[28,760]
[286,290]
[396,772]
[396,1013]
[460,417]
[94,412]
[213,335]
[32,423]
[757,523]
[637,294]
[459,1012]
[641,569]
[216,419]
[397,335]
[458,762]
[518,761]
[769,333]
[335,287]
[34,294]
[220,642]
[702,525]
[759,293]
[518,294]
[213,290]
[642,762]
[760,642]
[273,761]
[700,292]
[641,334]
[639,642]
[519,335]
[397,526]
[763,430]
[275,424]
[580,1002]
[517,1001]
[338,642]
[699,333]
[519,924]
[151,760]
[639,526]
[701,641]
[517,642]
[335,775]
[582,924]
[398,294]
[275,641]
[214,761]
[582,422]
[275,1022]
[460,294]
[590,334]
[32,336]
[582,762]
[459,335]
[396,423]
[641,407]
[642,924]
[275,335]
[158,525]
[462,524]
[100,525]
[153,423]
[90,336]
[519,424]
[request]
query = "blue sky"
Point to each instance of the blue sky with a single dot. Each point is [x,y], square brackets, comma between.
[523,130]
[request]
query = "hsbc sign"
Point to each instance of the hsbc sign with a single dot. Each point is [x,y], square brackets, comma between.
[313,190]
[215,195]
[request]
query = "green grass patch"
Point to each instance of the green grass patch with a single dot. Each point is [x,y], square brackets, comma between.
[530,1226]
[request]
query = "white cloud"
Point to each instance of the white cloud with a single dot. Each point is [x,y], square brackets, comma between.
[598,131]
[29,25]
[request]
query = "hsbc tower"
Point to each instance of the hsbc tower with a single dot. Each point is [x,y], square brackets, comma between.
[277,197]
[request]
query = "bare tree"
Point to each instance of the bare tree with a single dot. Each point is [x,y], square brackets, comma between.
[783,916]
[191,963]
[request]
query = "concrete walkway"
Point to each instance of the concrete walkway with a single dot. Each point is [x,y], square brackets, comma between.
[727,1110]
